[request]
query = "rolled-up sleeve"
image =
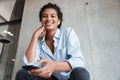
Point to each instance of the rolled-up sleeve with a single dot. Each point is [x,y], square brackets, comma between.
[76,58]
[36,58]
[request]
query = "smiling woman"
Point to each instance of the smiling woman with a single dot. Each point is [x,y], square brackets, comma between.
[56,50]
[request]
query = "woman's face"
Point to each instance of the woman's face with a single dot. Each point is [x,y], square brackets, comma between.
[50,19]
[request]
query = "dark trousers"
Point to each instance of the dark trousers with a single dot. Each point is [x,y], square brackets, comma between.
[76,74]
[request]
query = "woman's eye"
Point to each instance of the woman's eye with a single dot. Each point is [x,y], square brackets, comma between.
[44,16]
[52,16]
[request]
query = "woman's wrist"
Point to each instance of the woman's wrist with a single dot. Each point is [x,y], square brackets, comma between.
[61,66]
[35,36]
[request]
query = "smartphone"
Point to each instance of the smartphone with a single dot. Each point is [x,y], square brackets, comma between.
[29,67]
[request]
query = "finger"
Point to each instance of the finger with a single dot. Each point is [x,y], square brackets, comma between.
[44,32]
[35,71]
[45,71]
[43,28]
[45,75]
[43,24]
[29,72]
[44,60]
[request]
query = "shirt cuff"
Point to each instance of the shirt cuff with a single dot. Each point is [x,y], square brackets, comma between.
[76,63]
[29,63]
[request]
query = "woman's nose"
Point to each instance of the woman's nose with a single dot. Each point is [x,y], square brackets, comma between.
[49,18]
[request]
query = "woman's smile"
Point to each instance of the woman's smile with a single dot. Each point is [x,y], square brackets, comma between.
[49,23]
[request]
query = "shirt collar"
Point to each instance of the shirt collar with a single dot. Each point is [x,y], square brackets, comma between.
[43,39]
[57,35]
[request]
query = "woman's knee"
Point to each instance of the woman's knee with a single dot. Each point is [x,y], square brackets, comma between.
[80,73]
[21,73]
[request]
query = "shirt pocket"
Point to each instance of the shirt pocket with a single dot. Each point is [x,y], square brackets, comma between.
[61,54]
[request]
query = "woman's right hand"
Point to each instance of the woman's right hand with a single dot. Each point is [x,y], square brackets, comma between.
[40,32]
[31,51]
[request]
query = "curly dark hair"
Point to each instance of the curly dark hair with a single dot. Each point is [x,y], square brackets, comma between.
[55,7]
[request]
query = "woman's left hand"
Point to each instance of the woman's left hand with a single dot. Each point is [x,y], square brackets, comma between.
[45,71]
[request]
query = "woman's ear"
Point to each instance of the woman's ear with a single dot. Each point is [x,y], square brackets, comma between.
[59,22]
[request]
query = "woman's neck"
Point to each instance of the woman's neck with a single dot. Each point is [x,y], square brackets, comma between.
[50,35]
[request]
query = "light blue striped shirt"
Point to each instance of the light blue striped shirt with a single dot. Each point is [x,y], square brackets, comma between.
[66,48]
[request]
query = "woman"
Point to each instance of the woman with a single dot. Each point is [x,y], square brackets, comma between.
[56,50]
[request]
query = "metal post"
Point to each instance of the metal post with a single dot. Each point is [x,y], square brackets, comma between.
[3,40]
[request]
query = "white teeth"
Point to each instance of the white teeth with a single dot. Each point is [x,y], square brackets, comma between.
[49,23]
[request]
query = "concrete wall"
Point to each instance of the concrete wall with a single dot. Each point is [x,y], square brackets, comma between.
[97,24]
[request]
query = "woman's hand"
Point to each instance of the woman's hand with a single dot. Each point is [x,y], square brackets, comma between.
[45,71]
[40,32]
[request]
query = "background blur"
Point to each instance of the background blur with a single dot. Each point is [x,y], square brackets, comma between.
[96,22]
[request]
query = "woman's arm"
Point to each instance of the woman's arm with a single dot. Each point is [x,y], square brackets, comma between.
[31,51]
[74,50]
